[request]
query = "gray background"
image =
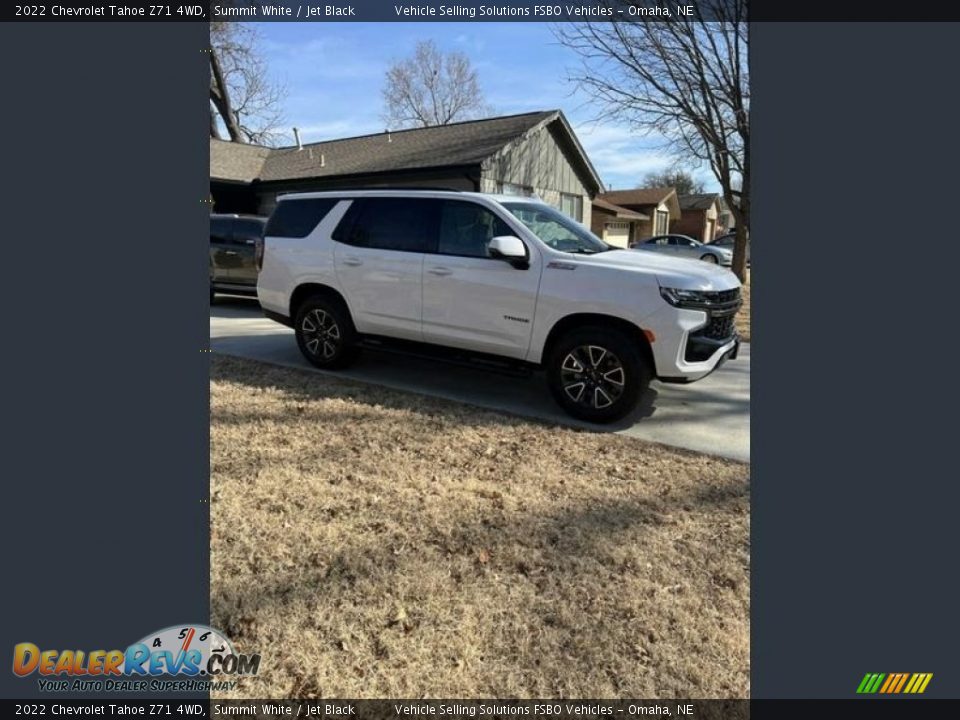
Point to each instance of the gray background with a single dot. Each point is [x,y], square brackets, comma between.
[105,391]
[105,386]
[854,386]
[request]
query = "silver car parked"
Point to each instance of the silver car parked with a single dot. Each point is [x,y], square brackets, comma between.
[726,241]
[684,246]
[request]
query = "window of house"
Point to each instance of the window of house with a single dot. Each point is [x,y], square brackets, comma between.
[661,222]
[467,228]
[572,206]
[507,188]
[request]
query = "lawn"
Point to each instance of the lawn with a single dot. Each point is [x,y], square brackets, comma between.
[372,543]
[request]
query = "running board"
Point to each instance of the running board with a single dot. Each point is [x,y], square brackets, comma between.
[450,356]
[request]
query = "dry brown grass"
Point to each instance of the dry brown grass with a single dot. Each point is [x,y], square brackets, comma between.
[371,543]
[743,317]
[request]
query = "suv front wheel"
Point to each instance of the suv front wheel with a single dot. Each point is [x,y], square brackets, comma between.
[597,374]
[325,333]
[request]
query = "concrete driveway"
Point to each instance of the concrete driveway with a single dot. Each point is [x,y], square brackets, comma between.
[711,416]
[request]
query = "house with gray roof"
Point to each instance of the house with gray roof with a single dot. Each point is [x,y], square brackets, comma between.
[699,216]
[529,154]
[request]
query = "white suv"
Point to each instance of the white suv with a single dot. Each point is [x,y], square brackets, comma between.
[501,278]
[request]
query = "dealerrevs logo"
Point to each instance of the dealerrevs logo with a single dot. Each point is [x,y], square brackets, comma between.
[197,653]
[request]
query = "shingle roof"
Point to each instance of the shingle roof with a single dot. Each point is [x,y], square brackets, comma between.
[236,161]
[702,201]
[620,212]
[464,143]
[637,196]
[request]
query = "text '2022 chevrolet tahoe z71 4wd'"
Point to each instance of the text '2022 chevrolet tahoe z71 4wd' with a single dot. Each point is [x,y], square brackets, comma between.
[502,278]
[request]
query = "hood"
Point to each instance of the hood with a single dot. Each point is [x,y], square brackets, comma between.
[681,273]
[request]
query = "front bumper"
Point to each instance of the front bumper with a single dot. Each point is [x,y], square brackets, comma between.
[704,337]
[727,351]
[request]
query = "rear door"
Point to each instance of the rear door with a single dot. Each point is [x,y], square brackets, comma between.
[471,300]
[247,232]
[379,250]
[222,255]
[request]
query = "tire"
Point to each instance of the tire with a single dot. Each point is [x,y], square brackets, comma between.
[325,333]
[597,374]
[709,258]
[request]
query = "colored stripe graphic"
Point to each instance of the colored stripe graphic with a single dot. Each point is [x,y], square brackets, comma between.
[894,683]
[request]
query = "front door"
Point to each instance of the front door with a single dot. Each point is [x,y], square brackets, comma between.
[683,246]
[471,300]
[379,263]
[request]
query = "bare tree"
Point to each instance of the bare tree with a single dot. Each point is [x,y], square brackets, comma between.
[432,88]
[681,180]
[243,99]
[684,79]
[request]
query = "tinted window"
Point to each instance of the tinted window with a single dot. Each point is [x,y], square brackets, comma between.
[247,231]
[220,230]
[298,218]
[467,228]
[404,224]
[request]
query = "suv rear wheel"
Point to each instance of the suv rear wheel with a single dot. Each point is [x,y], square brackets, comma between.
[597,374]
[325,333]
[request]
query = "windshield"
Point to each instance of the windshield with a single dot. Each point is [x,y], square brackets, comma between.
[556,229]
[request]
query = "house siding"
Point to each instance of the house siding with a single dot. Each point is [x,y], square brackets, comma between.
[537,161]
[696,224]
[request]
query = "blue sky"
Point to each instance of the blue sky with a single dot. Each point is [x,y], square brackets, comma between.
[333,74]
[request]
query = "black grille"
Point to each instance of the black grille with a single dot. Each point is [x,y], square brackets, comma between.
[719,328]
[721,307]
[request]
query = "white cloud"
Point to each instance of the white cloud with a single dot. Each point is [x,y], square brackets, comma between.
[623,156]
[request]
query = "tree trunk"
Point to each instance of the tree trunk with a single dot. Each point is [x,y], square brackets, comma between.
[214,130]
[220,97]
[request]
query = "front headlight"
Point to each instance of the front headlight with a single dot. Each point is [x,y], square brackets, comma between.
[685,298]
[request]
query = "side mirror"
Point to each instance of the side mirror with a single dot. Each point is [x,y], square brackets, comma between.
[507,247]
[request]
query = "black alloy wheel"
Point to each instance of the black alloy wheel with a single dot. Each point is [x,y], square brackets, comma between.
[325,333]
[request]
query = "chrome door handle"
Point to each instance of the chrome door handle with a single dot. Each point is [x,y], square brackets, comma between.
[440,271]
[352,261]
[229,252]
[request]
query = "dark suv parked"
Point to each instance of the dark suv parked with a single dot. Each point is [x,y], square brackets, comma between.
[233,247]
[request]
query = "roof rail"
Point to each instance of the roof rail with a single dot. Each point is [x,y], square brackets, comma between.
[399,188]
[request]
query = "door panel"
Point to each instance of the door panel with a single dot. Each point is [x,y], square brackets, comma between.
[683,248]
[378,255]
[471,300]
[479,304]
[383,289]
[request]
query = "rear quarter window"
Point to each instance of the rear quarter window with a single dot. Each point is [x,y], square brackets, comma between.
[298,218]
